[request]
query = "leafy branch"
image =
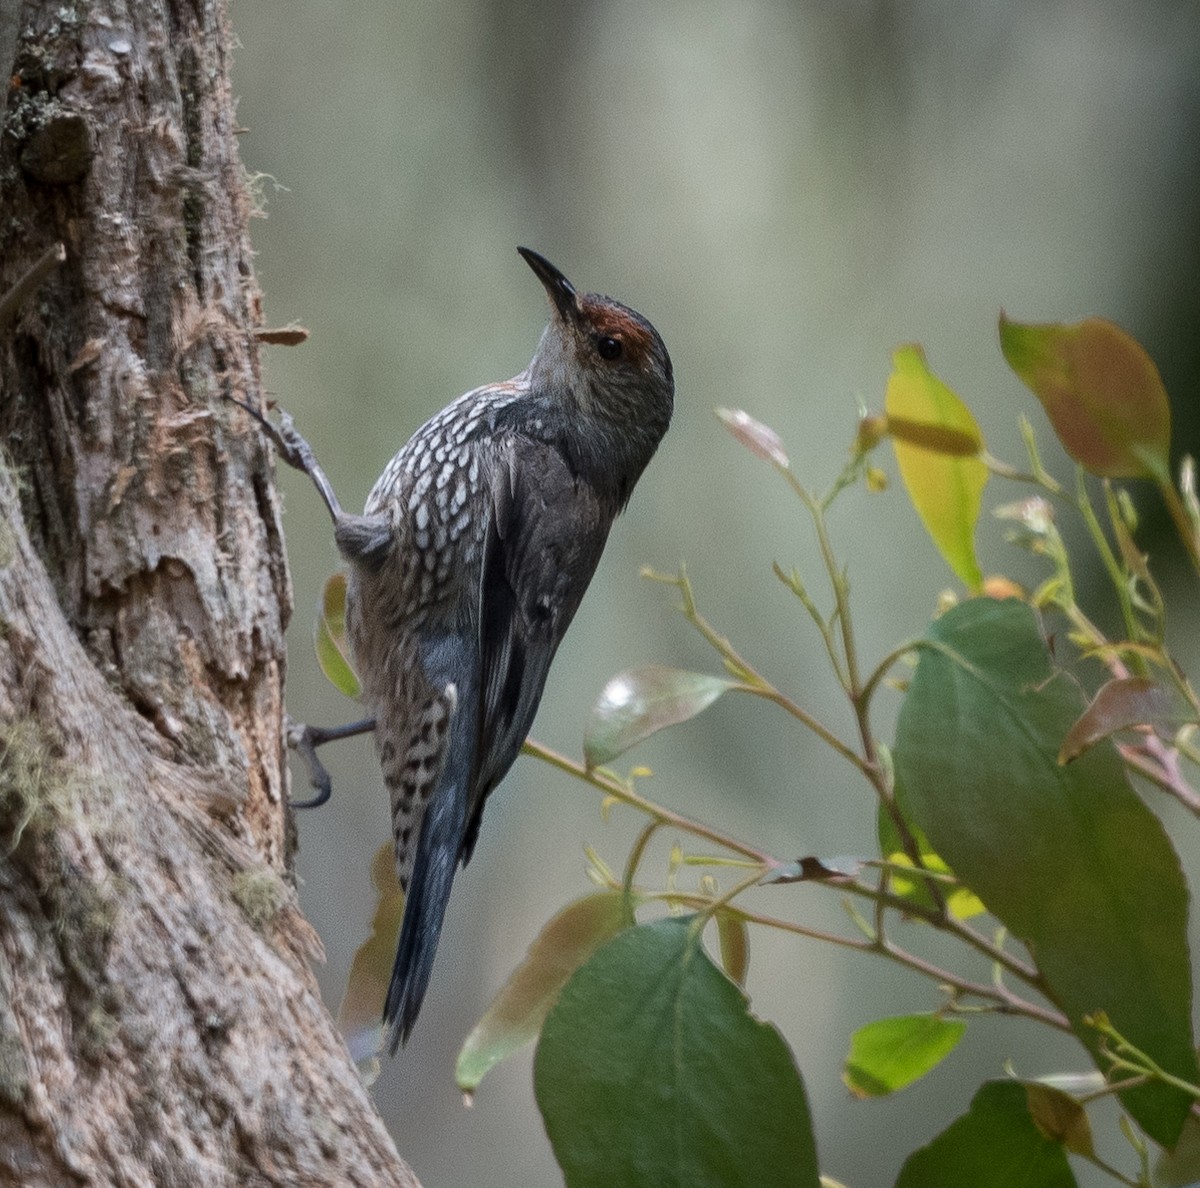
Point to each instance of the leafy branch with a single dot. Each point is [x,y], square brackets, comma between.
[1005,790]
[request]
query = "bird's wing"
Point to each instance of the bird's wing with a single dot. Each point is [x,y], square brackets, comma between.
[545,535]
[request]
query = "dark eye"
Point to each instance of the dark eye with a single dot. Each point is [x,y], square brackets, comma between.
[609,348]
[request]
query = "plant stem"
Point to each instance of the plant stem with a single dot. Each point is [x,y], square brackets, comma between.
[611,786]
[1160,765]
[947,922]
[752,680]
[1115,572]
[1006,1002]
[1183,525]
[635,855]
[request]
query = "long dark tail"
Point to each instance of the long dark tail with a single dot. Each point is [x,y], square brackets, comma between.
[424,909]
[439,848]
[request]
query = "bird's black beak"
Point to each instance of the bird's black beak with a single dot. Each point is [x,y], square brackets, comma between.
[560,290]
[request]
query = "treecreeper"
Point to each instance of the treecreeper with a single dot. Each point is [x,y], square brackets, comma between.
[465,569]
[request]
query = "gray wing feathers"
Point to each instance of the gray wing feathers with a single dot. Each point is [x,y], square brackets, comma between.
[545,539]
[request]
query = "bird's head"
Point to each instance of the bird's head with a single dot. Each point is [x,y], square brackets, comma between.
[601,358]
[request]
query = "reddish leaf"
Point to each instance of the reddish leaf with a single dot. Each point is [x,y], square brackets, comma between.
[754,435]
[361,1012]
[1060,1118]
[1121,703]
[1101,391]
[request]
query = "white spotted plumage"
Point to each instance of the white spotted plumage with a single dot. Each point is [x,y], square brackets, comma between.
[467,566]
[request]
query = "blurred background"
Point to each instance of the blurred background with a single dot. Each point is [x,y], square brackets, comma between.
[788,191]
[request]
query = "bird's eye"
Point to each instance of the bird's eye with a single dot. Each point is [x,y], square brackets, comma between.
[609,348]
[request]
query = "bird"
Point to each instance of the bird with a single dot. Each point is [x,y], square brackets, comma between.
[465,569]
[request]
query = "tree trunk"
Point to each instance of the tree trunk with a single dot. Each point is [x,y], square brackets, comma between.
[159,1023]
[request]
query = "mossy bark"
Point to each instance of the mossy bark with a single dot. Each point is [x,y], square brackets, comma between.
[159,1023]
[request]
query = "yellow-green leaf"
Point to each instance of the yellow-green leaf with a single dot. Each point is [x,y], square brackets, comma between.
[734,939]
[890,1053]
[329,638]
[516,1013]
[937,446]
[1101,391]
[961,902]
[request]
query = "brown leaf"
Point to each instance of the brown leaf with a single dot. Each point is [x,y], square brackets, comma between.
[1121,703]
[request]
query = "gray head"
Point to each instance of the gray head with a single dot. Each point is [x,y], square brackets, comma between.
[601,357]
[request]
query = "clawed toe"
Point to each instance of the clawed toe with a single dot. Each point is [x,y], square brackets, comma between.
[304,740]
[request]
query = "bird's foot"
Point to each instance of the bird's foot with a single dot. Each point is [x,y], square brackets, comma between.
[304,740]
[295,451]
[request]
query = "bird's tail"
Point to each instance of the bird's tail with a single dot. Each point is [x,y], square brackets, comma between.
[439,845]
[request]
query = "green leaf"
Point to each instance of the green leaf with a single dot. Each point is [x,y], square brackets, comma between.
[995,1144]
[642,701]
[516,1013]
[650,1070]
[361,1012]
[937,446]
[890,1053]
[329,638]
[1068,858]
[1120,703]
[1101,391]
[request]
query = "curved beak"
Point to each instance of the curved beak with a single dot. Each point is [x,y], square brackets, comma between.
[560,290]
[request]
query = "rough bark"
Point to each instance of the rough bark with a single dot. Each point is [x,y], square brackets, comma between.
[159,1023]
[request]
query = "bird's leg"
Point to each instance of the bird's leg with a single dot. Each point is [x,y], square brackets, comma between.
[304,740]
[297,453]
[366,539]
[362,539]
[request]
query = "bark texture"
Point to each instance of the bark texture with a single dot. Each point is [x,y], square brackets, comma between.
[159,1023]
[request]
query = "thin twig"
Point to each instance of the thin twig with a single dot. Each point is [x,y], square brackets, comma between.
[1183,525]
[611,786]
[771,693]
[635,855]
[1006,1002]
[947,922]
[1160,765]
[752,680]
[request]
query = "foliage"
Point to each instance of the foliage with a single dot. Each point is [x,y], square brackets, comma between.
[650,1068]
